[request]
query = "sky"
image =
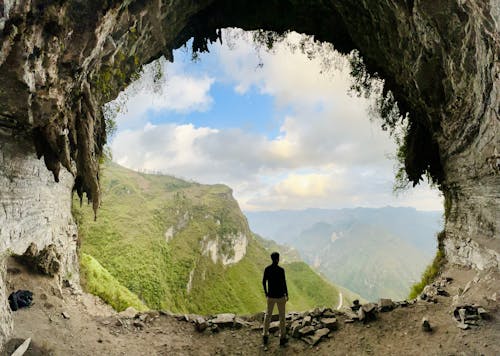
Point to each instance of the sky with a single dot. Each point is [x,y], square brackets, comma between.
[278,127]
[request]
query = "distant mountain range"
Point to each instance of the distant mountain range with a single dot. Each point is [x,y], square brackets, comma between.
[164,243]
[373,252]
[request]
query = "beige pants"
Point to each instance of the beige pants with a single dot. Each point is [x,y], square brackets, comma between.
[281,310]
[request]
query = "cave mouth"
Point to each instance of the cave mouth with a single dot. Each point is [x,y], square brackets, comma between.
[60,61]
[303,88]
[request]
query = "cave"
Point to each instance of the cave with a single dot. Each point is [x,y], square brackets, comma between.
[60,61]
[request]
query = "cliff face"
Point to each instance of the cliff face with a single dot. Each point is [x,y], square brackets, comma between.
[35,209]
[61,60]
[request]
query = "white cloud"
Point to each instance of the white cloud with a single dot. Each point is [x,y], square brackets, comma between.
[177,93]
[327,154]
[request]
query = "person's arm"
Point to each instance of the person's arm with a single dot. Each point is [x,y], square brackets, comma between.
[284,282]
[264,280]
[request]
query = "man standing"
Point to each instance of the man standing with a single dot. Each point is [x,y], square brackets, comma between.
[274,283]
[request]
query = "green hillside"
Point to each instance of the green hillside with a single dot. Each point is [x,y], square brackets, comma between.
[157,237]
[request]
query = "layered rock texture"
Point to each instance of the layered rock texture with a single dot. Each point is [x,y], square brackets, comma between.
[61,60]
[35,217]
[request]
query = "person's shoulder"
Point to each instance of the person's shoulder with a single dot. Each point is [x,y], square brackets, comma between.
[268,268]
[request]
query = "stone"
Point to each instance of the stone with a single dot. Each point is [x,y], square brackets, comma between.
[329,323]
[426,326]
[306,330]
[328,313]
[462,326]
[22,348]
[274,326]
[355,305]
[225,319]
[369,308]
[295,327]
[129,313]
[306,320]
[200,324]
[257,317]
[138,324]
[483,314]
[240,323]
[65,315]
[386,305]
[317,336]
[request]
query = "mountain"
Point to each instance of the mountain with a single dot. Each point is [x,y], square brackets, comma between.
[165,243]
[373,252]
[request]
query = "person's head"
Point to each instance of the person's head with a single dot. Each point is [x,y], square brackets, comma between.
[275,256]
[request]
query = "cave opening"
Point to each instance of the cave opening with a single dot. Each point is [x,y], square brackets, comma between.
[282,126]
[60,61]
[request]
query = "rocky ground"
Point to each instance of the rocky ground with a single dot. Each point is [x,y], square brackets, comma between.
[68,322]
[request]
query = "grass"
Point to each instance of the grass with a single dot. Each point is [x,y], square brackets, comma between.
[431,271]
[126,259]
[100,282]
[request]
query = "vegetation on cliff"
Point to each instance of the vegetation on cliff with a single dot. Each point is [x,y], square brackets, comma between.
[155,238]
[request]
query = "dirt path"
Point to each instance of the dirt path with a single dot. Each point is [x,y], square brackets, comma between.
[340,301]
[94,329]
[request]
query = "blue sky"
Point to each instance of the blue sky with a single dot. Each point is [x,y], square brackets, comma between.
[279,128]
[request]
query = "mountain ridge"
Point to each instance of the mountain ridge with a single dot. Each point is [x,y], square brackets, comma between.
[185,247]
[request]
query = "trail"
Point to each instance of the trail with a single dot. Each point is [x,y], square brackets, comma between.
[340,300]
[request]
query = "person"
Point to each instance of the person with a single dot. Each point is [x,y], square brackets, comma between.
[275,289]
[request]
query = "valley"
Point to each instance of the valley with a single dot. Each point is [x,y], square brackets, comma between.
[164,243]
[373,252]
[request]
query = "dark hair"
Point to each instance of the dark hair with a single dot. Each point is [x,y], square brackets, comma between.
[275,256]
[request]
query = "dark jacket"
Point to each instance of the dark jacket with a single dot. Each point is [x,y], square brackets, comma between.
[274,275]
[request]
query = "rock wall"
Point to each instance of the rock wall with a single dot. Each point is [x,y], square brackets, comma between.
[34,208]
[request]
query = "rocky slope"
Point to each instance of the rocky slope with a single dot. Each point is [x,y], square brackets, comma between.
[183,247]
